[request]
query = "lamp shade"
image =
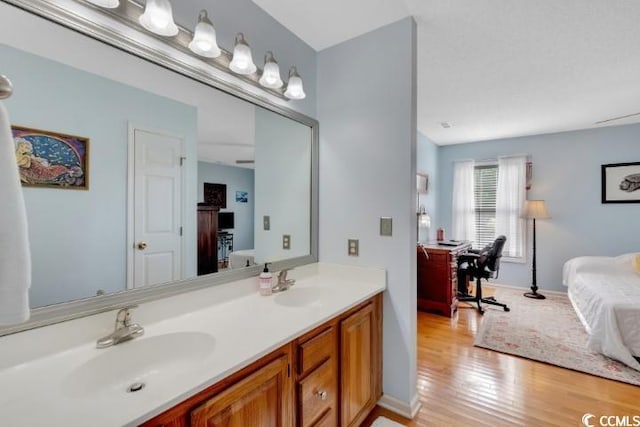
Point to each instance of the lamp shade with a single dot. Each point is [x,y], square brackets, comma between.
[535,209]
[294,87]
[158,18]
[109,4]
[204,42]
[271,73]
[242,61]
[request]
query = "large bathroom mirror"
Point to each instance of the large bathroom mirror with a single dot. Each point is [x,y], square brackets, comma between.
[141,182]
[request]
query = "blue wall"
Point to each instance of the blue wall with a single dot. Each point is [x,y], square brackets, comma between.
[237,179]
[367,171]
[566,173]
[78,238]
[427,163]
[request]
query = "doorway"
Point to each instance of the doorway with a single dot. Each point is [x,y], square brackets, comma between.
[155,223]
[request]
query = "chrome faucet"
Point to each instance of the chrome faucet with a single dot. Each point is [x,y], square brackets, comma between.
[283,283]
[124,330]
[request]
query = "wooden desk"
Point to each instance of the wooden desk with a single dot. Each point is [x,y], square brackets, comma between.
[438,278]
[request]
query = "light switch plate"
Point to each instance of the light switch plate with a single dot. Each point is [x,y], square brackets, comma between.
[286,241]
[266,222]
[353,247]
[386,226]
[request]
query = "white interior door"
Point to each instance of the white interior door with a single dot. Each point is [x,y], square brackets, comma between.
[157,212]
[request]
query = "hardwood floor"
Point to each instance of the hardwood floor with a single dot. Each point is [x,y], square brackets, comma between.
[463,385]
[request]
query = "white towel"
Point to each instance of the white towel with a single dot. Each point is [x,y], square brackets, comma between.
[15,258]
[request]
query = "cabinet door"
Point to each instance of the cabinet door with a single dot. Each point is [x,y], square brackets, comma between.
[260,400]
[359,365]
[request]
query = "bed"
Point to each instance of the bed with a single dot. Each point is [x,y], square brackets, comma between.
[605,293]
[240,259]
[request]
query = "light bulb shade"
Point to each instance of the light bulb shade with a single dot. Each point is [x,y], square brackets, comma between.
[294,87]
[424,219]
[271,73]
[204,42]
[535,209]
[158,18]
[242,61]
[109,4]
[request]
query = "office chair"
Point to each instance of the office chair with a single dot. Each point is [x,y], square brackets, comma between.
[481,264]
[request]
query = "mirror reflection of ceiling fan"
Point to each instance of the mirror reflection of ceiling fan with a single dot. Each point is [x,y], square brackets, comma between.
[613,119]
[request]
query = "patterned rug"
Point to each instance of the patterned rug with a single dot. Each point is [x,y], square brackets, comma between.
[548,331]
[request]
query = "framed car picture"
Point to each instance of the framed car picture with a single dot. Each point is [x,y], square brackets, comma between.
[621,183]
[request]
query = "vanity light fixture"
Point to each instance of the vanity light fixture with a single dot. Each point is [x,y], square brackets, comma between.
[109,4]
[204,41]
[294,87]
[158,18]
[242,61]
[271,73]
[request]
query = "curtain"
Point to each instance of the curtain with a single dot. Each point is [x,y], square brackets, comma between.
[510,199]
[464,204]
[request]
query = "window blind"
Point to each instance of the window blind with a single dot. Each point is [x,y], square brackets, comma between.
[485,185]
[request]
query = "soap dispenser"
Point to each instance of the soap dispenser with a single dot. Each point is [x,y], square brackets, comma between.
[264,281]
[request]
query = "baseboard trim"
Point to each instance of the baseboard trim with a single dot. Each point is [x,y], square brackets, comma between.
[519,288]
[400,407]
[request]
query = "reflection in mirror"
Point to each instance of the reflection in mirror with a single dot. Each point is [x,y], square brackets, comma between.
[154,140]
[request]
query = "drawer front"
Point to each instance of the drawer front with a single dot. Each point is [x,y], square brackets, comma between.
[438,258]
[313,352]
[328,419]
[317,394]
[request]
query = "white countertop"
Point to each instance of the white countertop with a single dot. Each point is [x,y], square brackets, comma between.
[36,365]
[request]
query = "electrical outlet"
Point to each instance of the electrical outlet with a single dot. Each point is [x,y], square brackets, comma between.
[286,241]
[386,226]
[266,222]
[353,247]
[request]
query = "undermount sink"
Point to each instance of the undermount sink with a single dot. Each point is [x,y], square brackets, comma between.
[141,361]
[299,297]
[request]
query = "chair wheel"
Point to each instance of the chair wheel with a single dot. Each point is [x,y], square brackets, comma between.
[507,309]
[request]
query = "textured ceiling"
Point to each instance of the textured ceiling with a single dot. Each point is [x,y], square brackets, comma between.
[499,68]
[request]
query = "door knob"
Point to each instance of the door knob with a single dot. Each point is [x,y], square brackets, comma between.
[142,246]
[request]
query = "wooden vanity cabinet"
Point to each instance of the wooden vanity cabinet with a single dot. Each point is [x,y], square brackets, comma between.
[360,364]
[330,376]
[317,377]
[259,395]
[259,400]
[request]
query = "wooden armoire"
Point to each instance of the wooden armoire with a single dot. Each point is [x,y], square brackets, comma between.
[207,239]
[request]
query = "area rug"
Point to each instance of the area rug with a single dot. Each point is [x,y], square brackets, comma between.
[385,422]
[548,331]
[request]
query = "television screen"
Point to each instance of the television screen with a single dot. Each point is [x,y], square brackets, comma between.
[225,220]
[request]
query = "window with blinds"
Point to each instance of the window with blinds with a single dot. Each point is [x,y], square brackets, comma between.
[485,186]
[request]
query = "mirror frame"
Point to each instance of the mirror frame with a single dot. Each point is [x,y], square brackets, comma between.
[47,315]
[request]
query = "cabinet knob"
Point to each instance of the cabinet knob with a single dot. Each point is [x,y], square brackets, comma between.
[322,395]
[142,246]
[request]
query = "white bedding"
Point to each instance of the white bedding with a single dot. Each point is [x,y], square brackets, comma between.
[239,259]
[605,292]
